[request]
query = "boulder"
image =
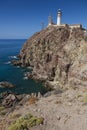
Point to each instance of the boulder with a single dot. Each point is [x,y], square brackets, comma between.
[16,62]
[9,99]
[6,84]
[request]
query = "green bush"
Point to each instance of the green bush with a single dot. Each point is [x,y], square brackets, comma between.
[25,122]
[85,99]
[2,108]
[2,111]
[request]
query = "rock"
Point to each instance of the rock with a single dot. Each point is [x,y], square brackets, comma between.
[16,62]
[58,117]
[39,95]
[69,104]
[28,75]
[47,94]
[6,84]
[54,92]
[24,99]
[39,110]
[57,54]
[10,100]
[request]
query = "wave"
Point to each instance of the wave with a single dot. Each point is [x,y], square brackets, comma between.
[25,78]
[13,57]
[18,66]
[9,62]
[1,86]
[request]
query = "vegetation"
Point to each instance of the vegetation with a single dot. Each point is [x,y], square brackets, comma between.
[2,108]
[23,123]
[14,115]
[32,100]
[85,98]
[2,111]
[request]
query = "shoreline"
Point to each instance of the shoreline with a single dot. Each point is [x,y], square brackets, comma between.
[59,109]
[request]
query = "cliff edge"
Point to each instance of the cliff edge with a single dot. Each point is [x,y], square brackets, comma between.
[57,54]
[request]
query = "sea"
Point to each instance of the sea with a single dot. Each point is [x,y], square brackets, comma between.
[9,49]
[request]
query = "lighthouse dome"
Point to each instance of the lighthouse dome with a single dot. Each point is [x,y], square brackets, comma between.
[59,11]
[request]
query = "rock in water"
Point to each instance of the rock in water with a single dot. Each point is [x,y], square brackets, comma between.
[6,84]
[57,54]
[16,62]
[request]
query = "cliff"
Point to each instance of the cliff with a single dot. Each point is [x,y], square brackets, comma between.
[59,55]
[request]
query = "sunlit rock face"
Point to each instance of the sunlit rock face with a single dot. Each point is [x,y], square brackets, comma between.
[57,54]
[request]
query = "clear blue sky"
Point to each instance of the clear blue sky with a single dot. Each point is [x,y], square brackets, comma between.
[22,18]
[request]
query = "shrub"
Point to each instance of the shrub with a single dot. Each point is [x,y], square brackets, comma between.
[23,123]
[14,115]
[2,108]
[85,99]
[2,111]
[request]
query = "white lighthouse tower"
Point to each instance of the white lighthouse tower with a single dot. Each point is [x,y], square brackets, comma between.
[59,17]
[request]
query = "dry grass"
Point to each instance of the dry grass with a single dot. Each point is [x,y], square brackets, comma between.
[2,125]
[32,100]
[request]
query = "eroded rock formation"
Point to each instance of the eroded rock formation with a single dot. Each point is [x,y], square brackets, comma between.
[57,54]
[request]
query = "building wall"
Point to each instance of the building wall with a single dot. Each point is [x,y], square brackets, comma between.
[75,26]
[62,25]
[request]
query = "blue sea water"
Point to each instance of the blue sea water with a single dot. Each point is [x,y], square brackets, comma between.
[8,50]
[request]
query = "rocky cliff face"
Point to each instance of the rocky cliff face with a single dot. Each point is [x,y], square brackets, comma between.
[57,54]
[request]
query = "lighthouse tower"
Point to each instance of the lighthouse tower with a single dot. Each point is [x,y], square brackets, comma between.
[59,16]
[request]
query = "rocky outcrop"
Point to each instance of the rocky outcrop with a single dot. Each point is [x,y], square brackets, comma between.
[6,84]
[16,62]
[57,54]
[9,99]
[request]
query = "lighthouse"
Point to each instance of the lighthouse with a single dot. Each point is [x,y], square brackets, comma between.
[59,16]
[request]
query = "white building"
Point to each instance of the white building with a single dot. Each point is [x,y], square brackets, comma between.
[59,21]
[75,26]
[59,17]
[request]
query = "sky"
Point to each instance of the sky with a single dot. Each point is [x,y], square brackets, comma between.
[19,19]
